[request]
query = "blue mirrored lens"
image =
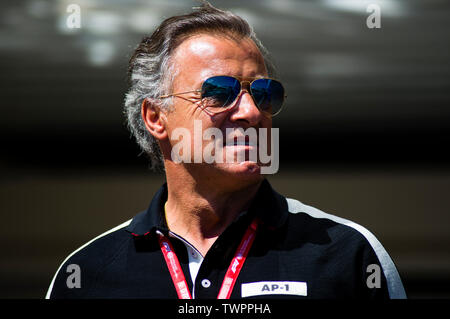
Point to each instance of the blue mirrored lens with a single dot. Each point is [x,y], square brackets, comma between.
[221,90]
[268,95]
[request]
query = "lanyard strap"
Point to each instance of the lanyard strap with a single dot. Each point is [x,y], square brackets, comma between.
[174,268]
[231,275]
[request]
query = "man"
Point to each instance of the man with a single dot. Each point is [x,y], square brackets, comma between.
[217,229]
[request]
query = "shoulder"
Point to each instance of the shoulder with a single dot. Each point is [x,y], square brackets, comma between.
[89,259]
[347,235]
[334,225]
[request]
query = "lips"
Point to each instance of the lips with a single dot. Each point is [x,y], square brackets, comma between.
[242,144]
[240,141]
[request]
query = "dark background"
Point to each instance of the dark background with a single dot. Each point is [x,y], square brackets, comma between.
[364,134]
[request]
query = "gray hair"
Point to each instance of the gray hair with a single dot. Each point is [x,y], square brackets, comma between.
[150,67]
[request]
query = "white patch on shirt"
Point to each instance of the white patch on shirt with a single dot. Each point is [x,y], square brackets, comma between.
[260,288]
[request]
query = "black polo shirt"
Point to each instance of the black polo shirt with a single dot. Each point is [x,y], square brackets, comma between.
[298,252]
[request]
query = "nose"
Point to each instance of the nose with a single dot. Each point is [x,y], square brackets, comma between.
[246,109]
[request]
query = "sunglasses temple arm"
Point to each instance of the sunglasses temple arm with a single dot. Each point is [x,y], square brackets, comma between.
[179,93]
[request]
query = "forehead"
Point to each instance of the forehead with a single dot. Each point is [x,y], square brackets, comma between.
[204,55]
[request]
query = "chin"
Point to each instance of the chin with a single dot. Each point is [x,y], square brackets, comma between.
[246,170]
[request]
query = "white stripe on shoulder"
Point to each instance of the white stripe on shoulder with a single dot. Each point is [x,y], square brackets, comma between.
[394,283]
[125,224]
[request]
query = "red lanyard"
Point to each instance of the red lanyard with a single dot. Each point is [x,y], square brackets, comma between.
[231,275]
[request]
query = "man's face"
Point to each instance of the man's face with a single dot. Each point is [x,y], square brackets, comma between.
[203,56]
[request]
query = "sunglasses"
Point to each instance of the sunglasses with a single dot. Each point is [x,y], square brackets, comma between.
[219,92]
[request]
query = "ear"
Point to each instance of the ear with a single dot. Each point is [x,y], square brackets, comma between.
[154,119]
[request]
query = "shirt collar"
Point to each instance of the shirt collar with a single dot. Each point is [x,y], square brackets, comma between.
[153,218]
[269,206]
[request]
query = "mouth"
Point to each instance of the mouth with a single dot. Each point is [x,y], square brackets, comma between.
[236,141]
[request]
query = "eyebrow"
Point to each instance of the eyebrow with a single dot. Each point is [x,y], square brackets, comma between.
[241,78]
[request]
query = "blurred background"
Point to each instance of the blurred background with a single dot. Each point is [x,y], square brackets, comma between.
[364,134]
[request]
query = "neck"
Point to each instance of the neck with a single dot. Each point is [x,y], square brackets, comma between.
[201,212]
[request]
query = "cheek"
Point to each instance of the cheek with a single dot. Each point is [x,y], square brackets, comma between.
[187,135]
[267,127]
[179,117]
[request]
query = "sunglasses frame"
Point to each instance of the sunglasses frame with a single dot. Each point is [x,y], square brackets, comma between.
[231,106]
